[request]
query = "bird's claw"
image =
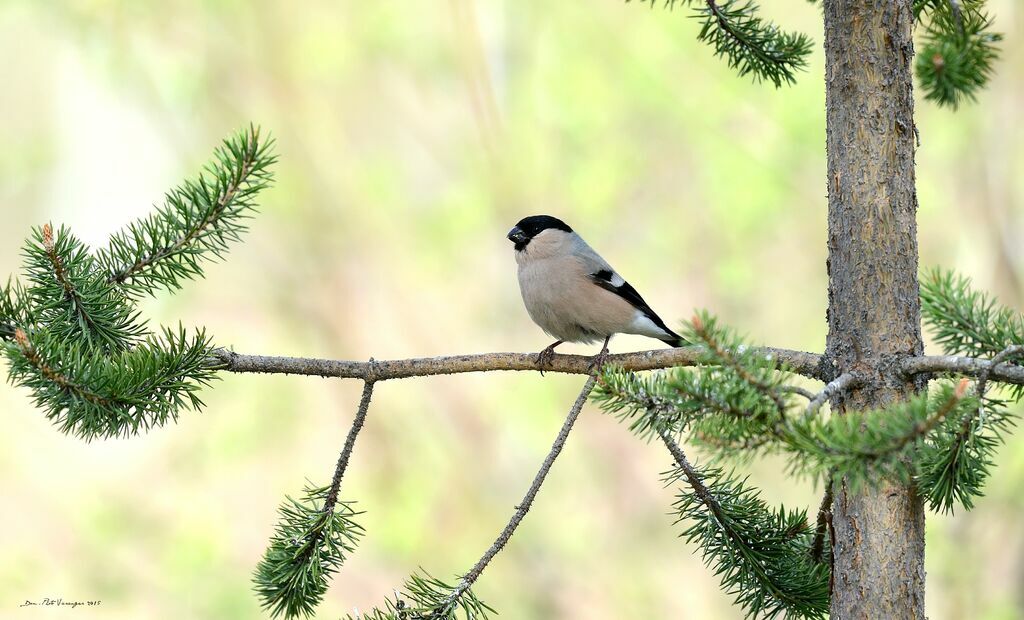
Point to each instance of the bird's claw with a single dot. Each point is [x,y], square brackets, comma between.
[544,358]
[598,362]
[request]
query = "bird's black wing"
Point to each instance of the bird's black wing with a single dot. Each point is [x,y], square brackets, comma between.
[604,277]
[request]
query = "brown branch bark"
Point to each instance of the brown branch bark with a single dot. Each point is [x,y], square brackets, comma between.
[800,362]
[970,366]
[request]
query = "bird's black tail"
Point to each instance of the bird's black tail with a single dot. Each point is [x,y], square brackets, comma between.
[674,339]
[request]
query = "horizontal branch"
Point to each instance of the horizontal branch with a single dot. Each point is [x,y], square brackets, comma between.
[802,363]
[1007,373]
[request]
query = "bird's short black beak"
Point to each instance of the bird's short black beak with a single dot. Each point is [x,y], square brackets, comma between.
[518,237]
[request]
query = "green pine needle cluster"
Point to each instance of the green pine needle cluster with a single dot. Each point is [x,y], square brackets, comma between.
[964,321]
[311,541]
[736,402]
[197,222]
[958,49]
[14,309]
[749,43]
[956,460]
[762,556]
[733,403]
[653,402]
[424,597]
[72,299]
[72,333]
[863,448]
[89,393]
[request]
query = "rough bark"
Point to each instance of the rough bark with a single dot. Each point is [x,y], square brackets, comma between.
[874,313]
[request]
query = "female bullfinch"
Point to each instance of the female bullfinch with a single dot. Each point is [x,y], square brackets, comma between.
[572,293]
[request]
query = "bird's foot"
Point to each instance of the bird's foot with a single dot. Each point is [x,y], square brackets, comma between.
[545,357]
[598,362]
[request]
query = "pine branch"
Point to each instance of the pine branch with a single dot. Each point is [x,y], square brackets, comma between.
[309,544]
[1011,374]
[863,448]
[90,394]
[750,44]
[197,222]
[761,555]
[425,598]
[762,375]
[958,51]
[70,297]
[669,401]
[722,412]
[312,539]
[956,462]
[967,322]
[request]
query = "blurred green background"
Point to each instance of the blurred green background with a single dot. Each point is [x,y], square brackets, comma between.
[412,135]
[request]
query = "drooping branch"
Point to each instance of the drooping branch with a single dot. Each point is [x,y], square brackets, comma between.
[524,506]
[800,362]
[761,555]
[350,442]
[313,538]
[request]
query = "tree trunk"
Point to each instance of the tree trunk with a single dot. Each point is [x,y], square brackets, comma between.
[874,311]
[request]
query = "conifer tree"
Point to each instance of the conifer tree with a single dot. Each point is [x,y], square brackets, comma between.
[72,335]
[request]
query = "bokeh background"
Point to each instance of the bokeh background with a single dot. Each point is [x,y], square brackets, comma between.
[412,135]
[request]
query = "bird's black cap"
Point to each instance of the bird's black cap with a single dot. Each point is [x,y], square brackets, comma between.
[530,227]
[534,224]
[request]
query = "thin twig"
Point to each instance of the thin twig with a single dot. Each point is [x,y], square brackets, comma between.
[802,363]
[327,512]
[350,442]
[841,384]
[469,578]
[969,366]
[824,520]
[691,474]
[1013,350]
[796,389]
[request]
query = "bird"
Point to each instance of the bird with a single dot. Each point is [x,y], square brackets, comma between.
[573,294]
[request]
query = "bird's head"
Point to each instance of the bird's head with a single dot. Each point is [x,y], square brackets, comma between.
[529,227]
